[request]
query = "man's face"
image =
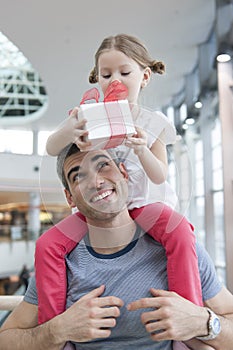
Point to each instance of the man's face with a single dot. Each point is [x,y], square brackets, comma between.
[97,186]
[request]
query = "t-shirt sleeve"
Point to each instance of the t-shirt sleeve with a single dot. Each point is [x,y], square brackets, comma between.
[160,123]
[154,123]
[211,285]
[31,293]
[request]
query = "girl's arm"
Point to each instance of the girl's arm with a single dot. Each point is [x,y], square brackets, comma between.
[196,344]
[71,131]
[153,160]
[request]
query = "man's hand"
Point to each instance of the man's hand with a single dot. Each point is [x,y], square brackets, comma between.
[173,317]
[91,317]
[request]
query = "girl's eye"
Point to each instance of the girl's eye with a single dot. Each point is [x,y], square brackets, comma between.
[106,76]
[125,73]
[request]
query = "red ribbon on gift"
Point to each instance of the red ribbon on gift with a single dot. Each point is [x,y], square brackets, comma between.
[92,94]
[116,91]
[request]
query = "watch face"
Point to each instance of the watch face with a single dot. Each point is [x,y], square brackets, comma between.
[216,326]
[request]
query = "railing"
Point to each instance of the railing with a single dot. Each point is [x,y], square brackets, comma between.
[9,302]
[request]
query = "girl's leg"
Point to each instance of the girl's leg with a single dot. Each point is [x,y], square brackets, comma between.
[50,268]
[175,233]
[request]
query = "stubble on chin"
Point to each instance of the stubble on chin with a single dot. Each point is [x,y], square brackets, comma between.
[105,214]
[107,210]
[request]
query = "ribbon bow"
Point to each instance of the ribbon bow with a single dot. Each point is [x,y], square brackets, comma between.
[115,91]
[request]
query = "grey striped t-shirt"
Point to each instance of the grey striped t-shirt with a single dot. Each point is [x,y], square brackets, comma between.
[129,275]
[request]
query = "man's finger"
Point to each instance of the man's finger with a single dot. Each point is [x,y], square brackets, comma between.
[94,293]
[108,301]
[143,303]
[162,293]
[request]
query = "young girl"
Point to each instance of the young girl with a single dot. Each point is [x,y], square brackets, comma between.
[124,58]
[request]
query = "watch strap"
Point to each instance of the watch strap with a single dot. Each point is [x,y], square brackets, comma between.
[212,333]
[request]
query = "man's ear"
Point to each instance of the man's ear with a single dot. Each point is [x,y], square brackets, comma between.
[146,77]
[123,171]
[69,198]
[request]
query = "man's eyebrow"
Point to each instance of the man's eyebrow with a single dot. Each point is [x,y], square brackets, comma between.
[74,169]
[97,156]
[93,159]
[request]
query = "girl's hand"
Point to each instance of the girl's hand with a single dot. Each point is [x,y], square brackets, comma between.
[138,141]
[74,127]
[71,131]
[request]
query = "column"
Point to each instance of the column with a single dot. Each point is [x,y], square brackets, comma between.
[206,126]
[34,215]
[226,117]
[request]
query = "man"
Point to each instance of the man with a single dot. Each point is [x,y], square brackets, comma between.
[117,297]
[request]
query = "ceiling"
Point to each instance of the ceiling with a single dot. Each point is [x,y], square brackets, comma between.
[60,39]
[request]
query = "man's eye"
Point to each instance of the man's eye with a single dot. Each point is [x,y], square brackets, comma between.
[78,177]
[102,165]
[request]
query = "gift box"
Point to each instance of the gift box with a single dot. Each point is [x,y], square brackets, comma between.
[110,121]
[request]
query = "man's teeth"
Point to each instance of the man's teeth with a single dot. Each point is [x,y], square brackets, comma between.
[101,196]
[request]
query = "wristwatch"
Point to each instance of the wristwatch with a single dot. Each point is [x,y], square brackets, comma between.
[213,325]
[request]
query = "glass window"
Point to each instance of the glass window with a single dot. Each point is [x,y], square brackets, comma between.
[172,174]
[200,219]
[170,114]
[218,199]
[199,192]
[22,90]
[216,133]
[217,180]
[185,178]
[16,141]
[199,169]
[219,235]
[42,138]
[217,157]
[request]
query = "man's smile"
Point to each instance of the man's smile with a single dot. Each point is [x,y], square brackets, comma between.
[102,195]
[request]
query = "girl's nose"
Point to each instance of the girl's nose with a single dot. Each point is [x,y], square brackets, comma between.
[115,78]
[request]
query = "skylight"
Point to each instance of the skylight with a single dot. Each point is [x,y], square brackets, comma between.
[23,96]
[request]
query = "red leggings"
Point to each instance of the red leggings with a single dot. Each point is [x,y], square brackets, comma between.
[166,226]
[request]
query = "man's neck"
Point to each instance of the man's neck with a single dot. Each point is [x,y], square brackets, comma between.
[111,237]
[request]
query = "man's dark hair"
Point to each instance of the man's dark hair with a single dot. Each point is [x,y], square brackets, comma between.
[63,155]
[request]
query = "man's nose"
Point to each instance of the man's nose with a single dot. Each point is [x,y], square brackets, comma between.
[95,180]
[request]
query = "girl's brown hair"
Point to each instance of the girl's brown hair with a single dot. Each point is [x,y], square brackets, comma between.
[131,47]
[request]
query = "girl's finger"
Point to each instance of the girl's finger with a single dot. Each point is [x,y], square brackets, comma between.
[83,146]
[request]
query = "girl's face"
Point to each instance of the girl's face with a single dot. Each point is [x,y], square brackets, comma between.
[115,65]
